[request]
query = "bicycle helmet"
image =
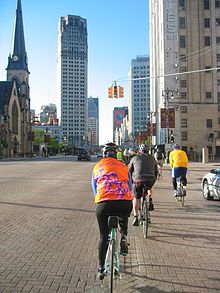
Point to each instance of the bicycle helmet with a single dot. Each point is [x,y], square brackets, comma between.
[109,150]
[143,148]
[176,146]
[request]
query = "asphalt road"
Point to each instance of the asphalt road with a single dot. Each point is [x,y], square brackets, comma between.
[49,233]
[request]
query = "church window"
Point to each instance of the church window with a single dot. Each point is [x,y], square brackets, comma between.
[15,118]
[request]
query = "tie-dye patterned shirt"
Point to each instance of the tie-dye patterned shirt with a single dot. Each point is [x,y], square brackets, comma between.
[111,180]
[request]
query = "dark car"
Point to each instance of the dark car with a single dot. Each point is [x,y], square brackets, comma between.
[84,155]
[211,184]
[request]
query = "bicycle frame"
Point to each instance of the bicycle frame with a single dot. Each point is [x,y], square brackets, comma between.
[145,215]
[180,195]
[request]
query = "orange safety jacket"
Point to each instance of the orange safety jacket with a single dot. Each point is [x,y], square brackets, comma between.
[110,181]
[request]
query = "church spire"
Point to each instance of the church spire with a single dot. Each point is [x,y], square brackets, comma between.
[18,56]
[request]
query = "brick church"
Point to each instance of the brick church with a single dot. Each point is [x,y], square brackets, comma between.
[15,116]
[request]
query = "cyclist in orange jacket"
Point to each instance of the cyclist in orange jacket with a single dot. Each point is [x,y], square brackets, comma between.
[111,184]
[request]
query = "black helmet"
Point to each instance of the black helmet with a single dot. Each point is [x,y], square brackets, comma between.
[143,148]
[109,150]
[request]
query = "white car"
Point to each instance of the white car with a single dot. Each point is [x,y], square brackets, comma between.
[211,184]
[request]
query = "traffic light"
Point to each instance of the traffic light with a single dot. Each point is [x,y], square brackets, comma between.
[121,92]
[115,91]
[110,92]
[171,136]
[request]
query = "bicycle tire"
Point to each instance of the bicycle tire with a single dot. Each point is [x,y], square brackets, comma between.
[112,255]
[145,221]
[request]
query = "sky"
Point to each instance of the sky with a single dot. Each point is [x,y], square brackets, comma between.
[118,31]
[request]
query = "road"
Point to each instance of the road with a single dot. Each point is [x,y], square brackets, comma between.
[49,233]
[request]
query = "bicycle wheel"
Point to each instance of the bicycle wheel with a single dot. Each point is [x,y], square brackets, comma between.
[145,218]
[112,254]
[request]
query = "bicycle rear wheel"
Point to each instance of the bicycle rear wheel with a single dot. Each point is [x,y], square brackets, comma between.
[145,218]
[112,265]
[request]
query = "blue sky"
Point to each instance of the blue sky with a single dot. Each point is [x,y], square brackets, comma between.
[118,31]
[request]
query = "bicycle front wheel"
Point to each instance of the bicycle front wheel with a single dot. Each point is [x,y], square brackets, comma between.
[112,265]
[145,219]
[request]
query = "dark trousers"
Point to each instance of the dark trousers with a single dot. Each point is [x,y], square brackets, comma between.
[179,172]
[103,211]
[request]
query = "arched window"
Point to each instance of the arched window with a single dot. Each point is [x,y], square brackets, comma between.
[15,118]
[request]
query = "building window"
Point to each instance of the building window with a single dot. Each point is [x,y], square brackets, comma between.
[218,96]
[182,22]
[183,109]
[217,40]
[206,4]
[183,95]
[209,123]
[218,82]
[182,42]
[183,83]
[208,67]
[218,108]
[182,69]
[217,57]
[206,22]
[182,58]
[184,135]
[208,95]
[207,41]
[217,4]
[183,123]
[217,21]
[182,4]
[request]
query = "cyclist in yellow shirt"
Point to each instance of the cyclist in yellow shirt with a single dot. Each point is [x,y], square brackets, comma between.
[179,163]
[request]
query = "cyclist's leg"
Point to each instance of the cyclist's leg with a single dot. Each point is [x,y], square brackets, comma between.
[175,174]
[137,192]
[151,192]
[102,212]
[124,207]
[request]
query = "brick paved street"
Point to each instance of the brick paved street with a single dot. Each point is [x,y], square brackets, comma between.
[49,234]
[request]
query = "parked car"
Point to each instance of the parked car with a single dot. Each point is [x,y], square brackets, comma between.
[211,184]
[84,155]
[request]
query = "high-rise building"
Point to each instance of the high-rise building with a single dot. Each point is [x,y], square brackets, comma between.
[93,121]
[138,94]
[93,107]
[185,90]
[72,78]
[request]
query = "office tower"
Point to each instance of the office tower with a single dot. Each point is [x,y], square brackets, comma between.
[185,50]
[72,78]
[93,121]
[138,95]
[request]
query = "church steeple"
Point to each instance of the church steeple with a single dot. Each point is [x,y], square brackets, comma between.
[18,56]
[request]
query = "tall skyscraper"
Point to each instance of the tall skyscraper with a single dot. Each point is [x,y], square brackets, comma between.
[93,121]
[138,94]
[93,108]
[72,78]
[185,48]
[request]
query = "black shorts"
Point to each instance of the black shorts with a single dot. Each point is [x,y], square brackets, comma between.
[139,188]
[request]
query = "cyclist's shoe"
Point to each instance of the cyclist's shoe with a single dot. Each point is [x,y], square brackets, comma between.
[101,273]
[151,205]
[124,246]
[175,193]
[184,190]
[135,221]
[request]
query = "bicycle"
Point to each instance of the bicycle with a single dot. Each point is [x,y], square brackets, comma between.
[180,191]
[145,214]
[112,260]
